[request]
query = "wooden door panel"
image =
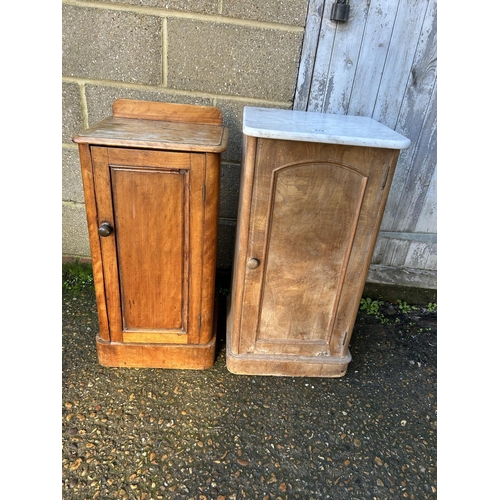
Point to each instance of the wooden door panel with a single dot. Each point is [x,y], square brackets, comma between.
[149,222]
[152,199]
[314,213]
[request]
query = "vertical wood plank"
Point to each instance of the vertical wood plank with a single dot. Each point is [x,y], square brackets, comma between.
[95,247]
[427,220]
[196,234]
[108,244]
[372,57]
[344,60]
[420,95]
[212,181]
[242,230]
[309,46]
[397,69]
[422,163]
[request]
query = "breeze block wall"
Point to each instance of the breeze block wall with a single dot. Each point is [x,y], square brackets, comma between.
[225,53]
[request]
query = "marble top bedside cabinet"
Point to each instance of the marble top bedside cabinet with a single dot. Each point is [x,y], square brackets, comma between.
[313,191]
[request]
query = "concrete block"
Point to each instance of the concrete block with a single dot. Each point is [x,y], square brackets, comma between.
[233,60]
[232,116]
[232,112]
[229,190]
[72,188]
[200,6]
[75,236]
[111,45]
[291,12]
[71,111]
[100,99]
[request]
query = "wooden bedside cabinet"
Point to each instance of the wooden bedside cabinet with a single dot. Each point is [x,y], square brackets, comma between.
[151,182]
[313,192]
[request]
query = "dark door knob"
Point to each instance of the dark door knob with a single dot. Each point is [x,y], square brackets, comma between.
[105,229]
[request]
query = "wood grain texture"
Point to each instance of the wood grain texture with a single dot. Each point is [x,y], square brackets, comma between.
[315,210]
[149,224]
[242,234]
[309,215]
[210,225]
[173,356]
[105,213]
[166,111]
[152,134]
[155,271]
[95,246]
[280,365]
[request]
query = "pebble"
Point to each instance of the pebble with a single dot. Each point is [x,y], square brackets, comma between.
[227,437]
[76,464]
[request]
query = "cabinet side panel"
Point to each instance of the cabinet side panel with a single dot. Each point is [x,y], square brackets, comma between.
[212,183]
[196,237]
[149,219]
[240,251]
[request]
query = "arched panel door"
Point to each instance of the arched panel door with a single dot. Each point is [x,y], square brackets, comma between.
[311,225]
[308,242]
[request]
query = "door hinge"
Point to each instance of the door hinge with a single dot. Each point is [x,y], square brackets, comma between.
[386,177]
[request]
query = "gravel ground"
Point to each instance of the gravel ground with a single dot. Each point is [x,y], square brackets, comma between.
[181,434]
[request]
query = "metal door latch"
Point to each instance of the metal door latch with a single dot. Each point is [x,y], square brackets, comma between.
[340,11]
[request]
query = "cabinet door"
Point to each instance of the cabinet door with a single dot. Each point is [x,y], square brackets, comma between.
[154,202]
[313,220]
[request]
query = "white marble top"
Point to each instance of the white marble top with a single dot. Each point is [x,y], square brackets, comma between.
[327,128]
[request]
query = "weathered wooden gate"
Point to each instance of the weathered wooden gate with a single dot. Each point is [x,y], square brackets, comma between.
[381,63]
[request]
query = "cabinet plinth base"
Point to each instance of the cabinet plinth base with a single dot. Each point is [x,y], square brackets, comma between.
[285,365]
[175,356]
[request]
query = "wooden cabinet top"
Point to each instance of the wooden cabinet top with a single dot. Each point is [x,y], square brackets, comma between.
[326,128]
[159,125]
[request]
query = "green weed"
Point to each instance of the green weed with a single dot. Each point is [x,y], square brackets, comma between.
[432,307]
[77,277]
[372,308]
[405,308]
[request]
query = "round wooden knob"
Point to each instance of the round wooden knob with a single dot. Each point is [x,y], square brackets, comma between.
[105,229]
[253,263]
